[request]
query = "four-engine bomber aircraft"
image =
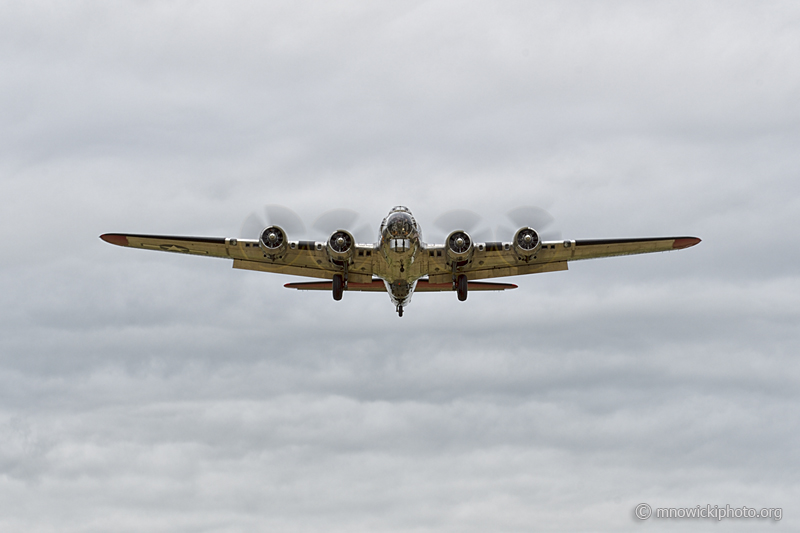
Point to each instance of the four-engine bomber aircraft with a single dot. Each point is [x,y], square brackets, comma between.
[400,263]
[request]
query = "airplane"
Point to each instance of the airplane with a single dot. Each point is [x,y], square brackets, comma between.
[400,263]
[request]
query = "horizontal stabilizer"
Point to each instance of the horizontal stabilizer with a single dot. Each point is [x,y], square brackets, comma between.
[425,286]
[379,286]
[373,286]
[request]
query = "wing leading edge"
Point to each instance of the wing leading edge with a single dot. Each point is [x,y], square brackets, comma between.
[491,260]
[497,259]
[594,248]
[305,258]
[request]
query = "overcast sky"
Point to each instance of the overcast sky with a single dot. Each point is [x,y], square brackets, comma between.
[157,392]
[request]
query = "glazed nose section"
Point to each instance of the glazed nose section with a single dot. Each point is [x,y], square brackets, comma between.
[399,226]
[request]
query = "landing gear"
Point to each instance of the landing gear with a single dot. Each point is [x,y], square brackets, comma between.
[461,287]
[399,310]
[338,287]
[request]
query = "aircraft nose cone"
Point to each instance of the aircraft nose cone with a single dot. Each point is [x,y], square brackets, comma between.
[460,241]
[528,238]
[272,237]
[340,241]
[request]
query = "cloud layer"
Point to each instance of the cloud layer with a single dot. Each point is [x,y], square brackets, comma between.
[143,391]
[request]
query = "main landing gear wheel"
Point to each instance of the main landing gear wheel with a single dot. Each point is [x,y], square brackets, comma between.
[461,287]
[338,287]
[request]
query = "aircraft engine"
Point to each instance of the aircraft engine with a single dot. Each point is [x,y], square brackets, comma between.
[459,247]
[341,246]
[527,242]
[273,240]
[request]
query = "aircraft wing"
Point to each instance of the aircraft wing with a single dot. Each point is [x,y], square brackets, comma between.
[497,259]
[301,258]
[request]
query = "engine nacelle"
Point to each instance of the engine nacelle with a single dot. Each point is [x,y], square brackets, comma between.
[527,242]
[273,241]
[341,246]
[459,247]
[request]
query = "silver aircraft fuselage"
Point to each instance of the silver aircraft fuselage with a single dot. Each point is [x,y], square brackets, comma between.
[400,261]
[398,250]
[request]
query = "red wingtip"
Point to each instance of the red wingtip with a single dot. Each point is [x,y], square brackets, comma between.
[685,242]
[115,238]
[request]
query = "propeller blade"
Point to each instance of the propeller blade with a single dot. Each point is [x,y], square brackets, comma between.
[530,215]
[273,215]
[462,219]
[456,219]
[335,219]
[284,217]
[252,226]
[365,234]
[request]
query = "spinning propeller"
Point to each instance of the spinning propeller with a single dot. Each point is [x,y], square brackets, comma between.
[530,216]
[345,219]
[273,215]
[292,223]
[463,219]
[481,231]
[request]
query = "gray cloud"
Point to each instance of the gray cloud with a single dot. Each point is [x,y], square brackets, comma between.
[148,391]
